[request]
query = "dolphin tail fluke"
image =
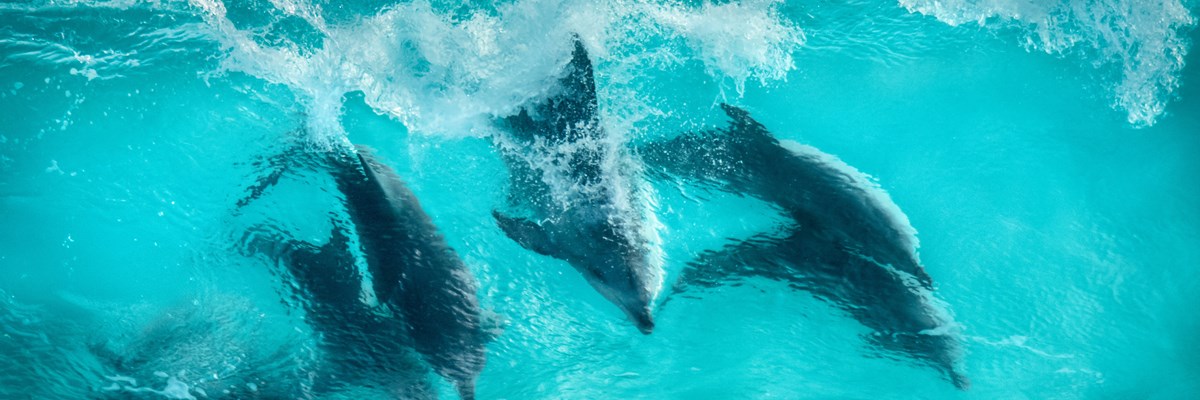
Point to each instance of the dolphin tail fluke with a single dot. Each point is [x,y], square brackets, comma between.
[527,233]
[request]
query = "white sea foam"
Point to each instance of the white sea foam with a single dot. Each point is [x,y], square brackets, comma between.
[448,74]
[738,40]
[1141,44]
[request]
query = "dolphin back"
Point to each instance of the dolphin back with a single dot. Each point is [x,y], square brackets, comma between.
[414,271]
[728,159]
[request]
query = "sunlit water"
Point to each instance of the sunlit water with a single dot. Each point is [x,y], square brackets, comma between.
[1046,152]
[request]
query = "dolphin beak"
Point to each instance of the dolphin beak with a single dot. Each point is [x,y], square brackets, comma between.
[644,320]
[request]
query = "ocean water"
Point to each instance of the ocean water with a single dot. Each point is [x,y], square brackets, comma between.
[1047,152]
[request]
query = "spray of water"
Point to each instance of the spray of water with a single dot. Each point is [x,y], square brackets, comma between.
[449,73]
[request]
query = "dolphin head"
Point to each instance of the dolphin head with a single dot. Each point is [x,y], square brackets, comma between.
[615,282]
[628,298]
[644,319]
[617,267]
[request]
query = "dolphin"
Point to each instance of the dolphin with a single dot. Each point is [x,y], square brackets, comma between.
[847,243]
[575,184]
[414,273]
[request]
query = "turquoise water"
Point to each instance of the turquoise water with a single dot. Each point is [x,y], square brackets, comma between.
[1046,152]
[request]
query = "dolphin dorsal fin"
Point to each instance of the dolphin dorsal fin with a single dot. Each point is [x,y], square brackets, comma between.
[745,127]
[580,79]
[715,157]
[572,103]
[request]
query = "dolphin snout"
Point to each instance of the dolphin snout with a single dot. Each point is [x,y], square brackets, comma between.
[644,320]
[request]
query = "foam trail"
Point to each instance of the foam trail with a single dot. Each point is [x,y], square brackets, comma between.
[1141,44]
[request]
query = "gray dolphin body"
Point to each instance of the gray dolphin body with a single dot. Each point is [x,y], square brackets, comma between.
[428,295]
[849,243]
[414,271]
[582,205]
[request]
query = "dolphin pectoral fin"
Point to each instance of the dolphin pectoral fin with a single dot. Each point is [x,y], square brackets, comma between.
[261,186]
[325,276]
[338,240]
[328,274]
[527,233]
[466,389]
[306,263]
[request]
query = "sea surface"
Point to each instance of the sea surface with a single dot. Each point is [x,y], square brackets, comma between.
[1046,151]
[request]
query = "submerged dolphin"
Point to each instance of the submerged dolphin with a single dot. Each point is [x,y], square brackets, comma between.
[582,204]
[414,273]
[849,243]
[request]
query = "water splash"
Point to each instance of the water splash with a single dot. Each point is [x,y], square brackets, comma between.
[738,41]
[448,73]
[1141,44]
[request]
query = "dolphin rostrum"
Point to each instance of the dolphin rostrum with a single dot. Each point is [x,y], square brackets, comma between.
[848,244]
[578,188]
